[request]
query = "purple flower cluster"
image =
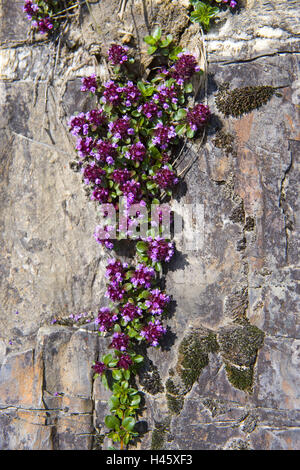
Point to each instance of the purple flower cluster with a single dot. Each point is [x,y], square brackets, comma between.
[115,271]
[124,362]
[232,3]
[44,25]
[30,8]
[131,94]
[117,54]
[132,190]
[106,151]
[84,146]
[92,174]
[165,177]
[120,128]
[159,249]
[142,276]
[115,292]
[150,110]
[121,176]
[166,96]
[184,68]
[130,311]
[105,319]
[163,135]
[156,301]
[89,83]
[120,341]
[100,194]
[137,152]
[107,236]
[198,116]
[153,332]
[99,367]
[112,93]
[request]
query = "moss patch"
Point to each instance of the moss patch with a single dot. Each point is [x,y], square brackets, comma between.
[239,346]
[192,358]
[242,100]
[159,434]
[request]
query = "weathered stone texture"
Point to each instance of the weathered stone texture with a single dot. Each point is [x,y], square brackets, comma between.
[244,275]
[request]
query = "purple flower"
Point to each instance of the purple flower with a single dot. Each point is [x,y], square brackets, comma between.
[44,25]
[89,83]
[121,128]
[153,331]
[150,110]
[105,319]
[92,174]
[105,149]
[184,68]
[117,54]
[156,301]
[96,117]
[121,176]
[163,135]
[165,177]
[132,190]
[131,94]
[124,362]
[160,250]
[104,238]
[30,8]
[166,96]
[101,195]
[198,116]
[120,341]
[112,93]
[130,311]
[115,270]
[99,367]
[84,146]
[78,125]
[115,292]
[142,276]
[136,152]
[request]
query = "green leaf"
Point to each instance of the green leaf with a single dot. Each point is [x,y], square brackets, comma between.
[138,359]
[141,87]
[104,381]
[126,374]
[181,114]
[141,247]
[128,423]
[190,133]
[135,400]
[157,33]
[188,88]
[117,374]
[107,358]
[150,40]
[112,422]
[113,402]
[151,50]
[180,130]
[117,328]
[144,295]
[128,286]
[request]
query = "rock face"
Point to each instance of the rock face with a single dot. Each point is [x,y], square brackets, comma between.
[227,374]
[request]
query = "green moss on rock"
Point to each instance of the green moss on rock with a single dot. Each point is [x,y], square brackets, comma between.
[240,378]
[159,434]
[242,100]
[175,403]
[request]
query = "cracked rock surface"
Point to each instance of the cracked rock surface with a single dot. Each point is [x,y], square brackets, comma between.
[240,287]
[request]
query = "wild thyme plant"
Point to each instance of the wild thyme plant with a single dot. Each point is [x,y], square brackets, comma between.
[46,15]
[206,11]
[124,147]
